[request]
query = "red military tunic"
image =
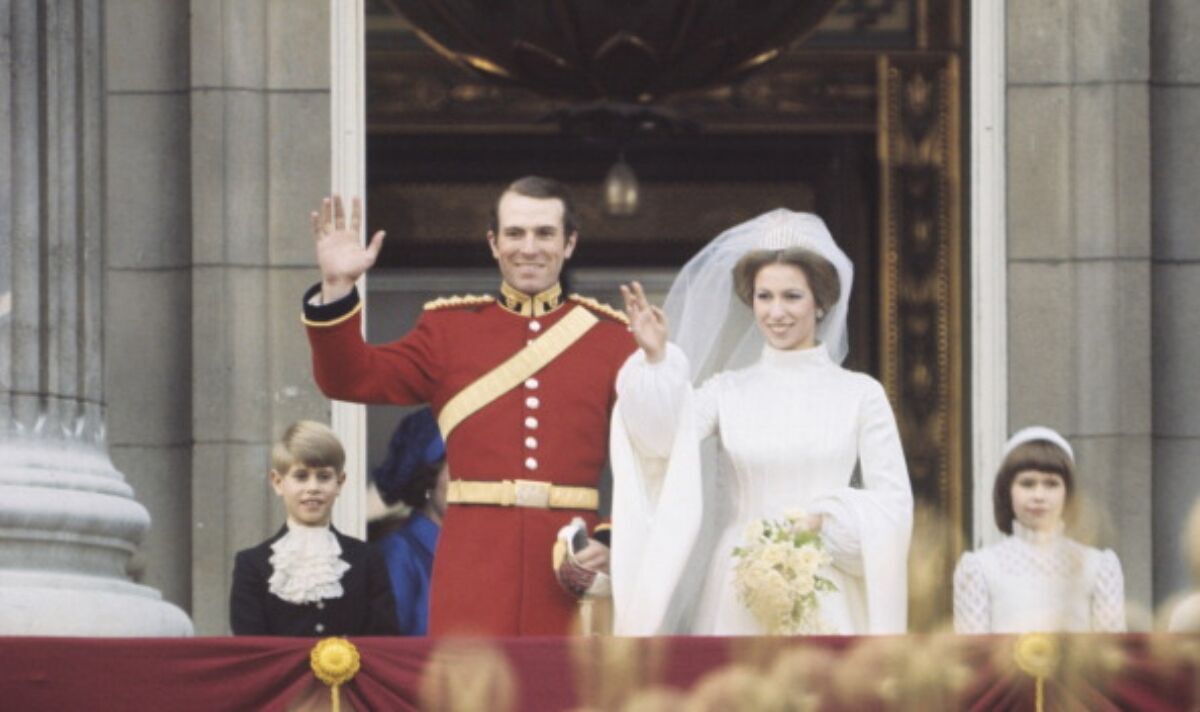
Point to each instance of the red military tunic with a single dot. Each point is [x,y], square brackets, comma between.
[492,573]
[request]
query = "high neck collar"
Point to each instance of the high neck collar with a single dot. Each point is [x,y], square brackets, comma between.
[540,304]
[1031,536]
[815,356]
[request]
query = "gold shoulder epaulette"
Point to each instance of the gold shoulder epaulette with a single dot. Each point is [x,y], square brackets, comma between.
[459,300]
[601,307]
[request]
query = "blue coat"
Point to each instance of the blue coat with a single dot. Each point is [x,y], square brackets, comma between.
[408,553]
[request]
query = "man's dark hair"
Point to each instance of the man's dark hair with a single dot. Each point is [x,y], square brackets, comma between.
[539,187]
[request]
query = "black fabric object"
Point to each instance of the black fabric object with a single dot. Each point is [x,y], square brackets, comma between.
[366,606]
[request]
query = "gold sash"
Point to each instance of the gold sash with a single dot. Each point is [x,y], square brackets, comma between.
[516,369]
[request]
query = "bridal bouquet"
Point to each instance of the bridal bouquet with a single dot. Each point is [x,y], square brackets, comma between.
[776,575]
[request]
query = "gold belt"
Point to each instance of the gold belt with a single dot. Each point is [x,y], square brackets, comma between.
[523,493]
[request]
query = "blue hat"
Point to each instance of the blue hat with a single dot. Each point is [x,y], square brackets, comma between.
[416,442]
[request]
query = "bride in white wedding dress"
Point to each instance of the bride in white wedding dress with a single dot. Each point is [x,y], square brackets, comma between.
[759,318]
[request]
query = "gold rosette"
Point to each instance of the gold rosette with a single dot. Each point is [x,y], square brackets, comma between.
[1038,655]
[335,661]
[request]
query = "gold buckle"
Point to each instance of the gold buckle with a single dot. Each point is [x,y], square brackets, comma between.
[531,493]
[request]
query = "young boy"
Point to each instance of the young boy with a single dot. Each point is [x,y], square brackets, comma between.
[310,579]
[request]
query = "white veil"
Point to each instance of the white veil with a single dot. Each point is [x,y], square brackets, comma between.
[713,327]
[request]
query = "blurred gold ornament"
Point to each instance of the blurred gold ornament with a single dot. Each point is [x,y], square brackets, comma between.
[912,672]
[735,688]
[798,674]
[466,675]
[335,661]
[607,669]
[655,699]
[1038,654]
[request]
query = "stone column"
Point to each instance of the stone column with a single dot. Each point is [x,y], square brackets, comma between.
[1078,140]
[68,520]
[1175,102]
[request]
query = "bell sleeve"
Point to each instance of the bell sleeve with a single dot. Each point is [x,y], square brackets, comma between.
[867,530]
[657,494]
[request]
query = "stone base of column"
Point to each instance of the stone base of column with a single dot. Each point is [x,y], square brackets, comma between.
[40,603]
[68,525]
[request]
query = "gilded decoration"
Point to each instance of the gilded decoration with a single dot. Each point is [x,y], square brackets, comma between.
[921,275]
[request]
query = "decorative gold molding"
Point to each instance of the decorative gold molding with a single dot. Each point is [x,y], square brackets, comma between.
[921,236]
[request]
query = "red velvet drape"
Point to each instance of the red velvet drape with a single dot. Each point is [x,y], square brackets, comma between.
[1129,672]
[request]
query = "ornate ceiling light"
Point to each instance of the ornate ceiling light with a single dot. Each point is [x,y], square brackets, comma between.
[625,51]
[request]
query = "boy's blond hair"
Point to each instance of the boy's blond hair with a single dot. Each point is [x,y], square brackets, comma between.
[309,443]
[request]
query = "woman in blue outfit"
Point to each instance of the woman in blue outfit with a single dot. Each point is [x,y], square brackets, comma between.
[414,472]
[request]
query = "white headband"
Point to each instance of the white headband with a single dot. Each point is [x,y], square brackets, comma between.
[1038,432]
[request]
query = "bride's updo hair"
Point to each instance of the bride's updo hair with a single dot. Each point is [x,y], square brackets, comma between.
[1040,455]
[822,276]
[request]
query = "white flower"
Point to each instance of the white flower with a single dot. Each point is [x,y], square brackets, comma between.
[776,579]
[803,585]
[775,554]
[807,560]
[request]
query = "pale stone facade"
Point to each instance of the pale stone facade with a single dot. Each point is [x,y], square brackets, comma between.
[216,145]
[1079,253]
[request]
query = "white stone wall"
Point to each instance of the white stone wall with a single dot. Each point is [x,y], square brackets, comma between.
[1079,250]
[218,137]
[148,277]
[1175,107]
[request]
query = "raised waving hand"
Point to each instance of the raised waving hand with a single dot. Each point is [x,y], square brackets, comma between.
[341,255]
[647,322]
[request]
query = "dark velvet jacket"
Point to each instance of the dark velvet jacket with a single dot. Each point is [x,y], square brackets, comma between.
[366,606]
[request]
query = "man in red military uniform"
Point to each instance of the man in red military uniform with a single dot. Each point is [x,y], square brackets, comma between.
[522,383]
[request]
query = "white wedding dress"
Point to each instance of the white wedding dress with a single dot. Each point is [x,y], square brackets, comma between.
[1038,582]
[791,428]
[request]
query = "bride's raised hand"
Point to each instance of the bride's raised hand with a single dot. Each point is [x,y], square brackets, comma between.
[647,322]
[341,254]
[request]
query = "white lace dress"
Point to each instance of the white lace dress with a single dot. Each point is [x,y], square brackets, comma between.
[1038,582]
[791,428]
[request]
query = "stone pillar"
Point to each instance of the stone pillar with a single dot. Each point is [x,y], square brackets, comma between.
[68,520]
[1078,140]
[260,163]
[1175,102]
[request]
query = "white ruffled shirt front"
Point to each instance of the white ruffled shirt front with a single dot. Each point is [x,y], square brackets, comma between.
[1038,582]
[307,565]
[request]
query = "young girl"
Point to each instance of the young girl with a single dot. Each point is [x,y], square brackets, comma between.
[310,579]
[1036,578]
